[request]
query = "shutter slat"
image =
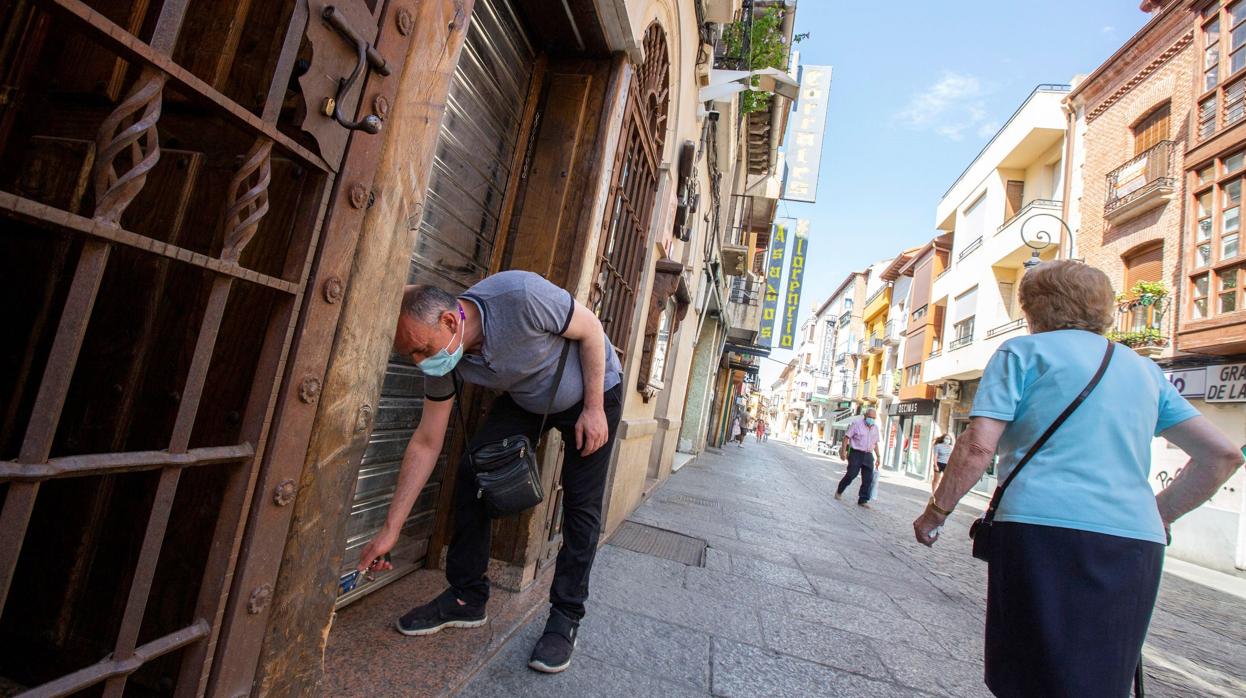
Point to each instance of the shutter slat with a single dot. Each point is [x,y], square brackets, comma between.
[1147,265]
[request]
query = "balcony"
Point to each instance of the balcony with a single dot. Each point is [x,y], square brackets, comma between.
[891,333]
[1006,328]
[960,342]
[1051,205]
[969,249]
[867,389]
[874,344]
[1140,327]
[1143,183]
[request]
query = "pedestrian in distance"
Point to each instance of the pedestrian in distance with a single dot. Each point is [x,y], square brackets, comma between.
[942,452]
[1075,547]
[517,332]
[861,445]
[737,431]
[760,429]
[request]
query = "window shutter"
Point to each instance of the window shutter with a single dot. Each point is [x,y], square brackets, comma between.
[1147,265]
[1152,129]
[1016,191]
[965,305]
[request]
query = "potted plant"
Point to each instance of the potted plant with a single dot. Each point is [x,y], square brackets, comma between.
[759,44]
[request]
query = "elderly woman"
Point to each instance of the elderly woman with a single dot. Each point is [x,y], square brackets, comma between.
[1077,543]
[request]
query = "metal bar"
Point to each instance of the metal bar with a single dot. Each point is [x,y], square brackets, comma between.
[125,462]
[140,587]
[157,522]
[37,444]
[57,218]
[89,676]
[116,38]
[285,63]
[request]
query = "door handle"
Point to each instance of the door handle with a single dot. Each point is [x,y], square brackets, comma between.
[368,56]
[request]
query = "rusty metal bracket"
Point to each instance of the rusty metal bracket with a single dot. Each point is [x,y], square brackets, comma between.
[368,56]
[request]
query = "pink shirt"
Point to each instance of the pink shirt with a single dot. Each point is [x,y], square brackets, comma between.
[862,437]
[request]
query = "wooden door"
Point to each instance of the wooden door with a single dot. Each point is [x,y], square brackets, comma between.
[168,179]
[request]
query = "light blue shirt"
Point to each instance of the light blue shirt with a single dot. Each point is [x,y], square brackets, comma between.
[1092,474]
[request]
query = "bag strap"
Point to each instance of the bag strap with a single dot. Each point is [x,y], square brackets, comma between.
[562,364]
[989,516]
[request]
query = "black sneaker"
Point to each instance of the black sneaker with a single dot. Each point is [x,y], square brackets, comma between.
[445,611]
[552,653]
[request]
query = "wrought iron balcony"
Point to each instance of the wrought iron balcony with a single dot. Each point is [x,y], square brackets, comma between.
[1027,209]
[960,342]
[1006,328]
[1146,181]
[891,333]
[874,344]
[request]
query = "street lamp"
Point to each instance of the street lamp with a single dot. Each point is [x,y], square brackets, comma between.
[1041,239]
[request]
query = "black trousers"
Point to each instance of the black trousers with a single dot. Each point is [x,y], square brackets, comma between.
[1067,610]
[859,462]
[583,483]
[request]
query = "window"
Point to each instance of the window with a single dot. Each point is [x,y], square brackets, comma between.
[621,254]
[1144,265]
[1230,289]
[913,375]
[1199,299]
[1223,45]
[1152,129]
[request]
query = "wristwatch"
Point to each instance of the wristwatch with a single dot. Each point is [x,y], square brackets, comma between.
[938,509]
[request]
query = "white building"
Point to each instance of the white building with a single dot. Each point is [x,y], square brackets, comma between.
[1014,184]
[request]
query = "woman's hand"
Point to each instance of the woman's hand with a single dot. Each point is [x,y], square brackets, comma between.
[927,526]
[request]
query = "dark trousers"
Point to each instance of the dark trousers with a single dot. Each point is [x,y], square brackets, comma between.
[1067,610]
[583,483]
[859,462]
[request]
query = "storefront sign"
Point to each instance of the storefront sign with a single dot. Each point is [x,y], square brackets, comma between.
[915,407]
[774,275]
[1190,382]
[804,137]
[795,277]
[1226,383]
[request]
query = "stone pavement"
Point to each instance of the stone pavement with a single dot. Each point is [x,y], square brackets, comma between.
[802,595]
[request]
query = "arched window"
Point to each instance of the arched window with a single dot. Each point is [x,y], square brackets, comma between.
[621,255]
[1152,128]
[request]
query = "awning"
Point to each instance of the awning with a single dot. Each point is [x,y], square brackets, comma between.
[747,349]
[747,368]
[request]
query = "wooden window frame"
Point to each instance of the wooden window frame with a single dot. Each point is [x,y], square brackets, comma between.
[1218,265]
[1217,13]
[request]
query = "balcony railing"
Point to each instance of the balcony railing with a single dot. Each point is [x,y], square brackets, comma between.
[1145,181]
[960,342]
[970,249]
[891,335]
[874,344]
[867,388]
[845,319]
[935,353]
[1140,326]
[1006,328]
[874,296]
[1035,204]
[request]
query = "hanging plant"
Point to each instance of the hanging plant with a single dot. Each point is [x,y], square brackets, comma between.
[766,49]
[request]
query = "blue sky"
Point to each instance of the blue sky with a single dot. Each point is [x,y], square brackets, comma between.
[917,91]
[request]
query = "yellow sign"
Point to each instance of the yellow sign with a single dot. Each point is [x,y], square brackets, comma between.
[795,278]
[774,274]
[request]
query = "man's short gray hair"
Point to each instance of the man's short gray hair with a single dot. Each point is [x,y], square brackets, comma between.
[869,410]
[426,303]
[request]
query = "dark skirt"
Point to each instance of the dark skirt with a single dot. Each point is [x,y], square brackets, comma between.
[1067,610]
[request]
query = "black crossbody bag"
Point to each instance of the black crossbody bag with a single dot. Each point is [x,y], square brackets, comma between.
[508,476]
[980,531]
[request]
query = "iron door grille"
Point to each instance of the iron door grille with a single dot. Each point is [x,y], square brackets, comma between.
[160,220]
[621,256]
[455,243]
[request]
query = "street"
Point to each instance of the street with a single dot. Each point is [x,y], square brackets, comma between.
[803,595]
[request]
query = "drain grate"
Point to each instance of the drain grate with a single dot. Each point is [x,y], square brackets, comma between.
[693,499]
[659,542]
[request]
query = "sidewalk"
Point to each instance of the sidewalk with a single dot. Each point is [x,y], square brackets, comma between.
[803,595]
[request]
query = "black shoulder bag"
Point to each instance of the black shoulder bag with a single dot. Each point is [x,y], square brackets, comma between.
[980,531]
[508,477]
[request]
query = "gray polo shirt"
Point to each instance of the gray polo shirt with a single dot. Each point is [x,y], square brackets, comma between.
[524,316]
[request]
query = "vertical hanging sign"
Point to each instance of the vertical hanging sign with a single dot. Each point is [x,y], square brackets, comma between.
[774,275]
[795,279]
[804,137]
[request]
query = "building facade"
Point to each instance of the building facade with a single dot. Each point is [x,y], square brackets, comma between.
[1164,225]
[476,137]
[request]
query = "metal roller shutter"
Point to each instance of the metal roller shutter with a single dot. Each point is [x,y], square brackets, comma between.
[453,249]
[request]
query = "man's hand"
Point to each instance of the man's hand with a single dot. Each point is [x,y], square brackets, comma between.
[591,430]
[383,542]
[927,526]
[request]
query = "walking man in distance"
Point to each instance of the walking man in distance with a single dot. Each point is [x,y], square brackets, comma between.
[861,445]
